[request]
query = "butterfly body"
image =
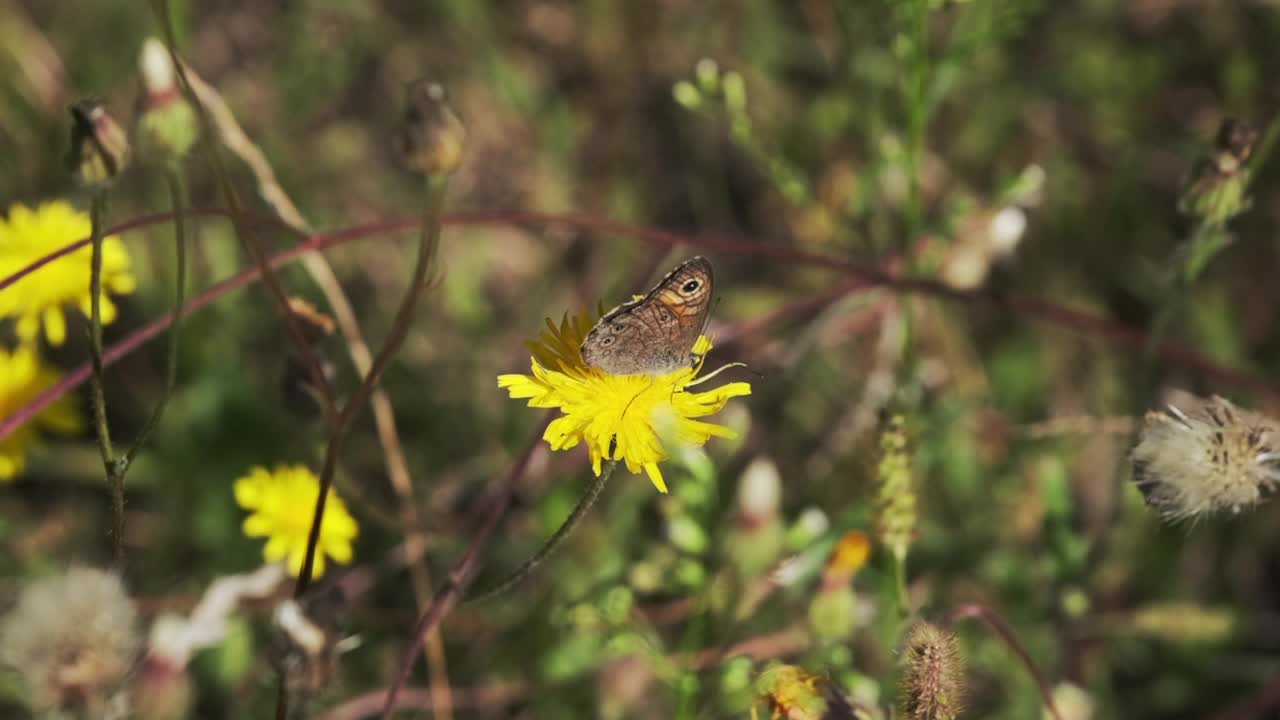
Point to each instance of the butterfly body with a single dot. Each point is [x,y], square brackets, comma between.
[655,334]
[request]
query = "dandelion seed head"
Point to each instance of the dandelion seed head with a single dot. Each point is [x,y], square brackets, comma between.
[71,638]
[1205,455]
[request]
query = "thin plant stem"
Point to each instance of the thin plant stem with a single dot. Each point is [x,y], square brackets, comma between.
[555,541]
[96,213]
[177,193]
[247,239]
[900,584]
[447,596]
[236,140]
[429,239]
[112,469]
[1010,639]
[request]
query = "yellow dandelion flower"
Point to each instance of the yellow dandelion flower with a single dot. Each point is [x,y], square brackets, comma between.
[620,417]
[37,300]
[282,503]
[22,377]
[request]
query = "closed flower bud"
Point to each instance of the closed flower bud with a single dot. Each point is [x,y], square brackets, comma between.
[832,613]
[167,126]
[99,146]
[432,137]
[755,539]
[1234,145]
[1216,189]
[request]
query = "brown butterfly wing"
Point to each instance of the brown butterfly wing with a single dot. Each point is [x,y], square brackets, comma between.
[655,334]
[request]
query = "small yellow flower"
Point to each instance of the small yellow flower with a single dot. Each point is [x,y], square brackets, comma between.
[621,417]
[36,300]
[22,377]
[282,503]
[850,554]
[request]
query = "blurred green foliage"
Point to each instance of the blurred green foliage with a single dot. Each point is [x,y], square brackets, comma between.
[887,133]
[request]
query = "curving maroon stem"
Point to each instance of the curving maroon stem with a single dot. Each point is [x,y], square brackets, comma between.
[1074,320]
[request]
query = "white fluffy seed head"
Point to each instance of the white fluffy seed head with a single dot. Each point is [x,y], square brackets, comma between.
[1205,455]
[71,637]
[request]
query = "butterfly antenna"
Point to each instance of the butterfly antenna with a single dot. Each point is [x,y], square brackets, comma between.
[721,369]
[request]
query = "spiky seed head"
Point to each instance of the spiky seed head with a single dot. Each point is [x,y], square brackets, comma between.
[933,681]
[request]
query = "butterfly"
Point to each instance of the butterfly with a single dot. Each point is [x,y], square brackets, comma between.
[655,334]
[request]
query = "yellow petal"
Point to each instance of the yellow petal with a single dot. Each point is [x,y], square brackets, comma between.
[122,284]
[108,310]
[276,548]
[248,492]
[10,465]
[655,474]
[55,325]
[296,559]
[28,327]
[339,552]
[256,526]
[317,565]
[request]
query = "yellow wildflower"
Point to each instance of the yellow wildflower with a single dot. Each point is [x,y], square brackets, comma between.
[282,503]
[22,377]
[850,554]
[36,300]
[621,417]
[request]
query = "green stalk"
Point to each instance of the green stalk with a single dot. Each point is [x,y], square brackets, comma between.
[429,240]
[173,178]
[246,238]
[900,584]
[115,479]
[561,534]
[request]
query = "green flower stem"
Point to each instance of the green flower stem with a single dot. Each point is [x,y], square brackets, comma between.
[173,177]
[429,240]
[246,238]
[1005,632]
[900,584]
[115,476]
[556,540]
